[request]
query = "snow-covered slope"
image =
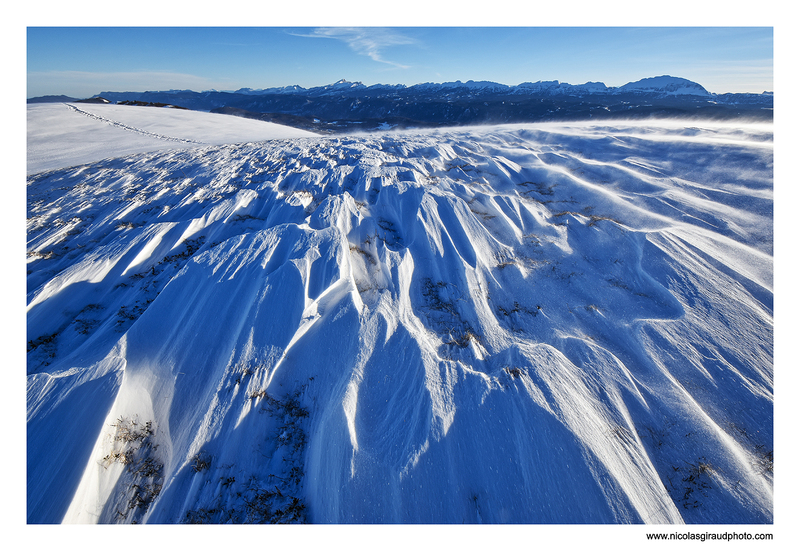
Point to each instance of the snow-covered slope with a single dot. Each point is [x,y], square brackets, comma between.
[537,324]
[66,134]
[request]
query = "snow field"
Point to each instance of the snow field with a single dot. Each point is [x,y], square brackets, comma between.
[67,134]
[532,324]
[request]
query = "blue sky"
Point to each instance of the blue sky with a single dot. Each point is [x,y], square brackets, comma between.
[84,61]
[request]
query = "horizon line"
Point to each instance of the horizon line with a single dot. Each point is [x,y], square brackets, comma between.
[358,82]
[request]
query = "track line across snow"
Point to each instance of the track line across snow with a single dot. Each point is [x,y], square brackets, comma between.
[131,128]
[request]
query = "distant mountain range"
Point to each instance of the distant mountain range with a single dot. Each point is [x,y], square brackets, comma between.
[344,105]
[663,85]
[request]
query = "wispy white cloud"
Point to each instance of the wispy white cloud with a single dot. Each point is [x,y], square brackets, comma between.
[367,41]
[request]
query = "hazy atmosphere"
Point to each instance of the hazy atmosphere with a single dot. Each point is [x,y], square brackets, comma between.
[80,62]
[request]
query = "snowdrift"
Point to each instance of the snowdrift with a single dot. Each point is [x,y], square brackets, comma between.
[533,324]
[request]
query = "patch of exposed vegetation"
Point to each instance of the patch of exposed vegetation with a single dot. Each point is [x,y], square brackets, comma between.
[133,447]
[263,499]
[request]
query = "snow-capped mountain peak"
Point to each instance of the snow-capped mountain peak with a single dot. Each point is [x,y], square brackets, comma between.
[665,84]
[345,85]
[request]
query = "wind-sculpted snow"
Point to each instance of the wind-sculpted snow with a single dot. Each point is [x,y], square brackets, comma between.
[541,324]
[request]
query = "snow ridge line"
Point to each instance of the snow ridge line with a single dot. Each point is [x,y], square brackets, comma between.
[131,128]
